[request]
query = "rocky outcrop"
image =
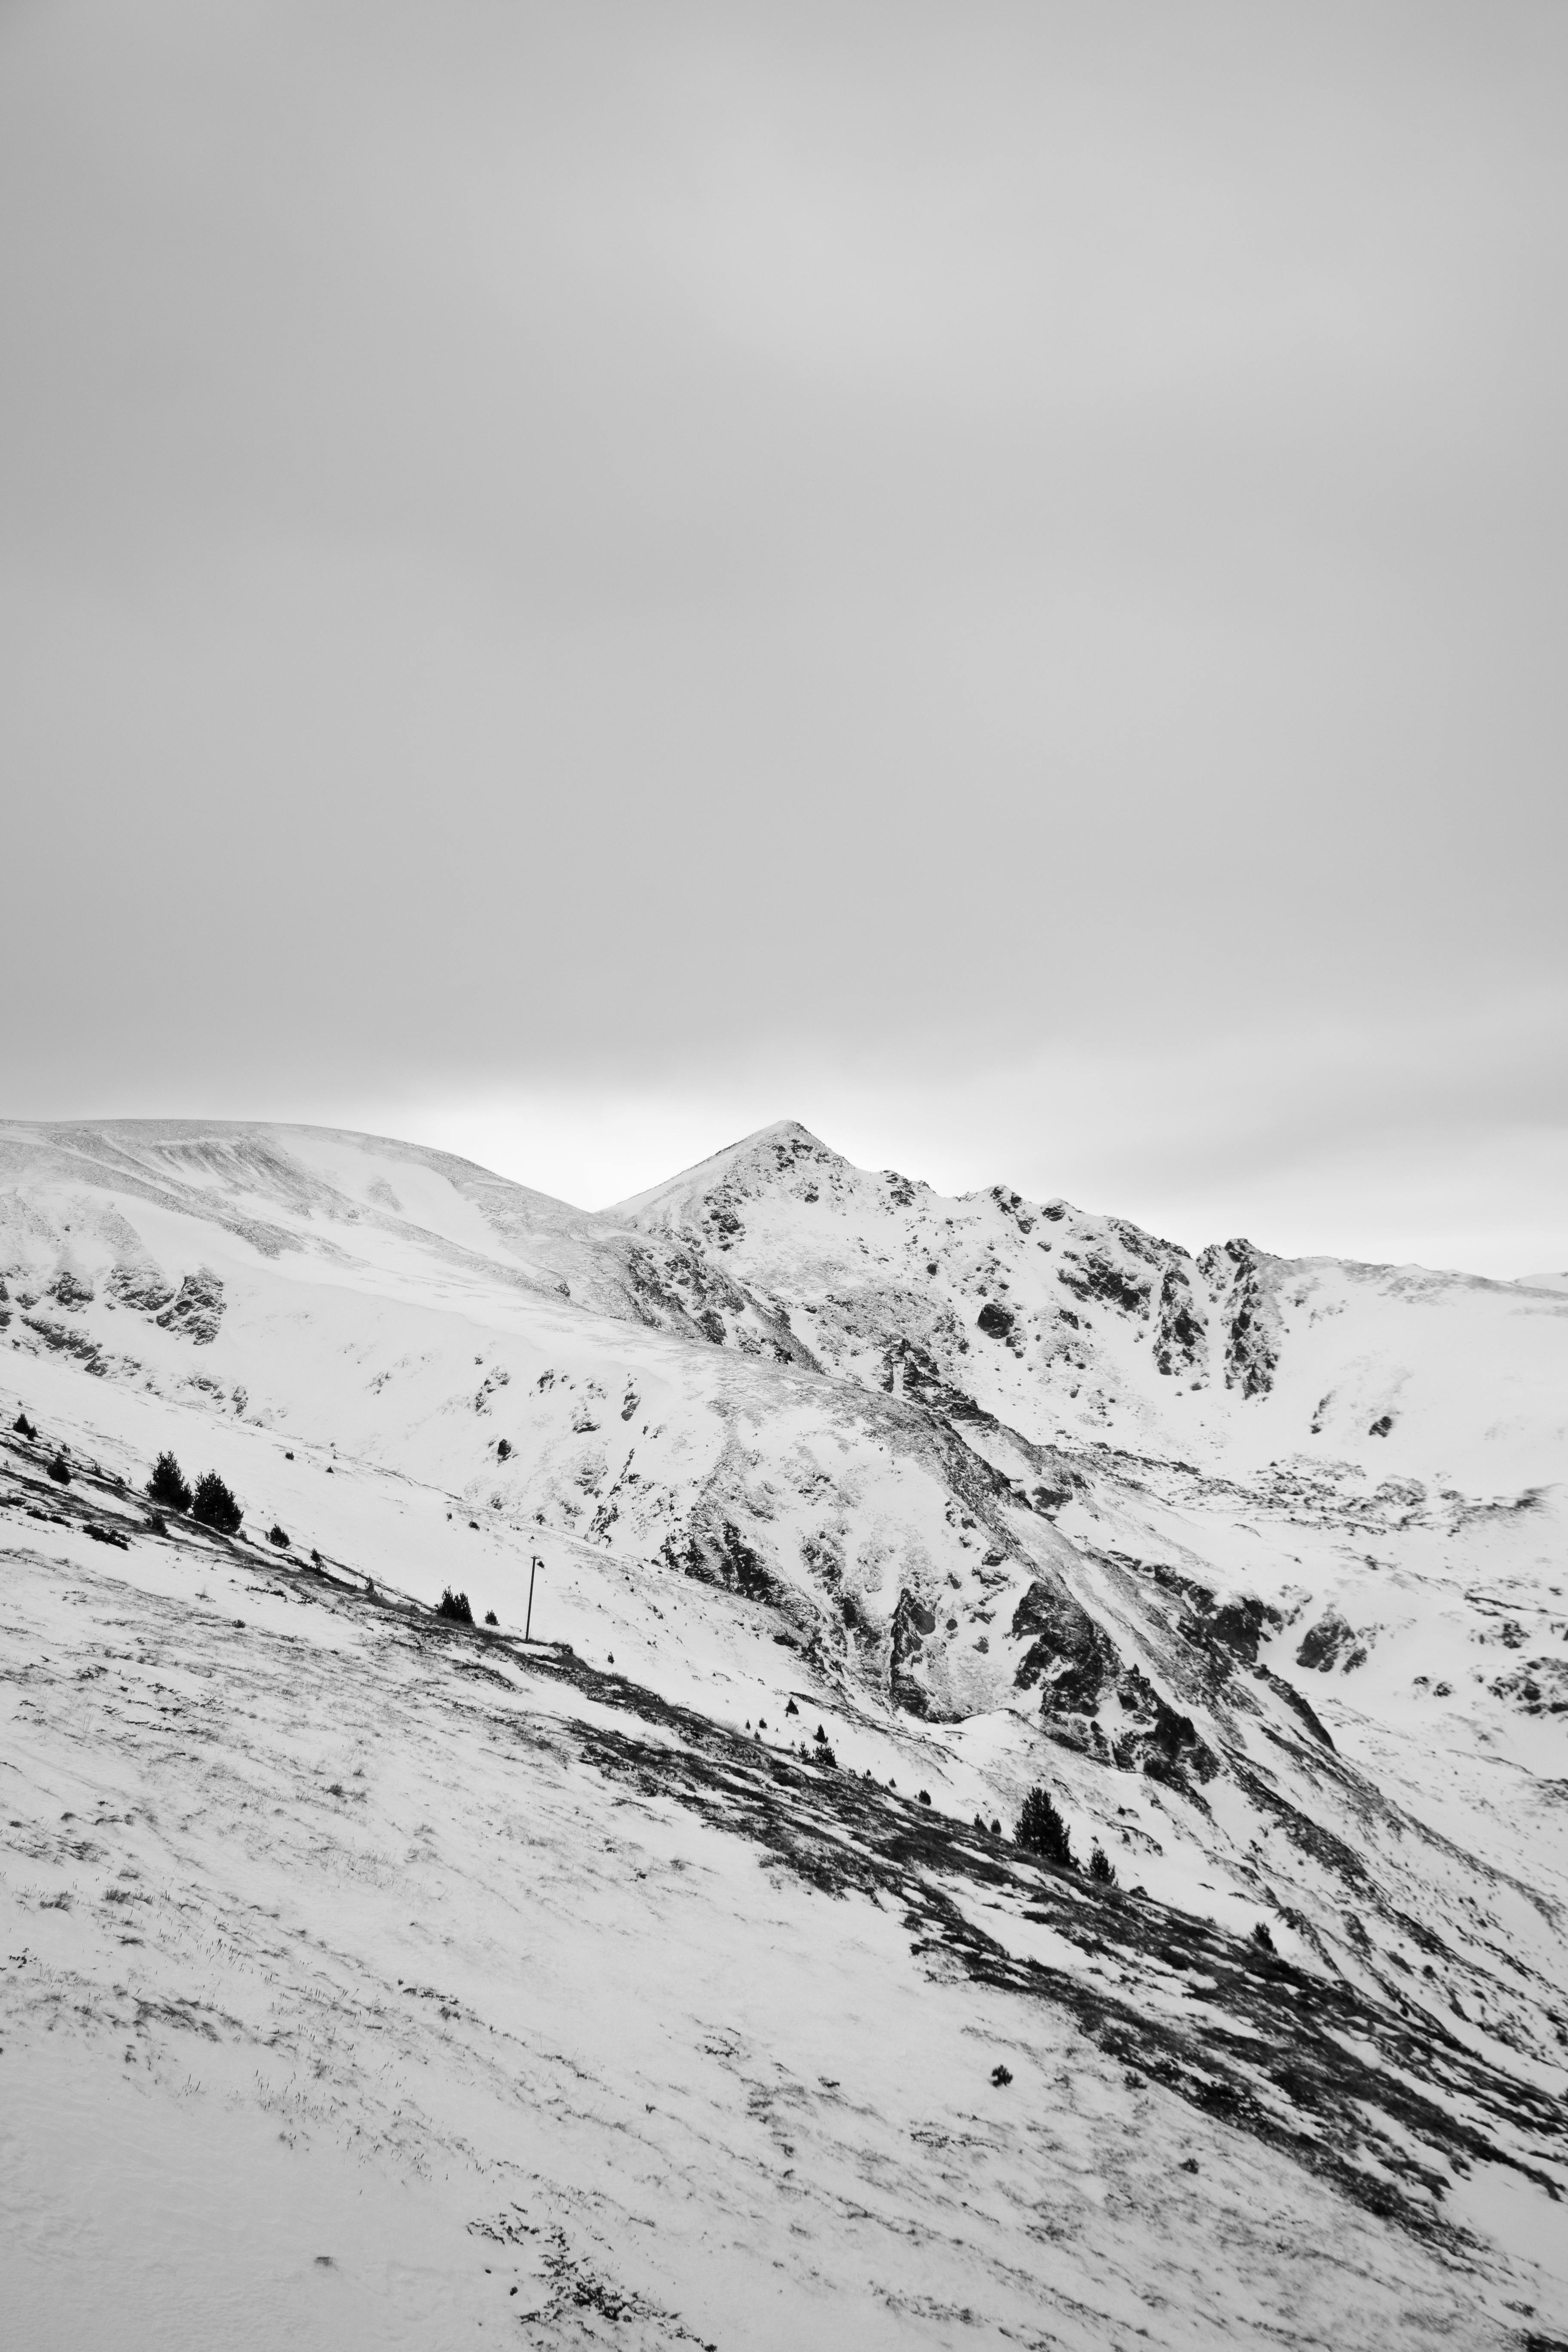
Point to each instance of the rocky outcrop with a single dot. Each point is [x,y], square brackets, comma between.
[1180,1333]
[912,1625]
[1331,1642]
[139,1285]
[196,1310]
[1072,1656]
[1241,1280]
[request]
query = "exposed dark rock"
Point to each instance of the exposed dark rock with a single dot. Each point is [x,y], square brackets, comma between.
[142,1286]
[1252,1322]
[1538,1686]
[1179,1331]
[1100,1278]
[912,1623]
[1297,1703]
[197,1310]
[1331,1642]
[1072,1656]
[995,1321]
[1162,1742]
[1234,1627]
[720,1555]
[64,1339]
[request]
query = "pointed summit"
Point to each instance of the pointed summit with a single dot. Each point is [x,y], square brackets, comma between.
[771,1160]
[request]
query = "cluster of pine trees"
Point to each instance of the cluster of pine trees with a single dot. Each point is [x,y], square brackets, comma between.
[210,1502]
[1041,1830]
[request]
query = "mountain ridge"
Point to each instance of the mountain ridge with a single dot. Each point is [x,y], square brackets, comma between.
[1256,1563]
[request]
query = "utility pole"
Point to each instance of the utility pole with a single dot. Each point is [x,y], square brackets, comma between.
[534,1565]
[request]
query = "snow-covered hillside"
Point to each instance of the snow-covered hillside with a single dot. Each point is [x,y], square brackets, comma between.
[1258,1564]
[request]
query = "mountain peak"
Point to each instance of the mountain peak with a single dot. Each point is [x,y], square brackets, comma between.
[754,1163]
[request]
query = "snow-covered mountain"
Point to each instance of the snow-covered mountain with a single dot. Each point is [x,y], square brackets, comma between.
[1258,1564]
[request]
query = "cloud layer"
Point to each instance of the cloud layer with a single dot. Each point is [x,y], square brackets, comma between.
[593,557]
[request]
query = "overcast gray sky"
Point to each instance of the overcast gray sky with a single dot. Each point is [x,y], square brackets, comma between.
[576,579]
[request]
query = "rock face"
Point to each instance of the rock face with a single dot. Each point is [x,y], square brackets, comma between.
[196,1310]
[1331,1643]
[143,1287]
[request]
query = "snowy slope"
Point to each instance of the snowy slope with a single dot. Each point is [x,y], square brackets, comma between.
[1259,1564]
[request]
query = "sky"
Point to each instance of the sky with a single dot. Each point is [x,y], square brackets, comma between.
[577,580]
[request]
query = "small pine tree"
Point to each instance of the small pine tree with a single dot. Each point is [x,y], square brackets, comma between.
[490,1617]
[1102,1869]
[1042,1830]
[276,1536]
[1261,1936]
[59,1471]
[167,1486]
[23,1426]
[455,1605]
[213,1505]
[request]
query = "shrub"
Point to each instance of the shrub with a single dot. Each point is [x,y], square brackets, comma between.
[59,1471]
[167,1486]
[490,1617]
[213,1505]
[1261,1936]
[504,1450]
[455,1605]
[1001,2077]
[23,1426]
[1102,1869]
[276,1536]
[1042,1830]
[924,1797]
[155,1524]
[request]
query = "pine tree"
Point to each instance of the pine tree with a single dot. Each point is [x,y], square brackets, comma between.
[167,1486]
[1042,1830]
[455,1605]
[1100,1868]
[214,1506]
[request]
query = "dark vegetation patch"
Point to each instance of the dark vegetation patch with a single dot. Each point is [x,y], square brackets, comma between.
[213,1505]
[167,1486]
